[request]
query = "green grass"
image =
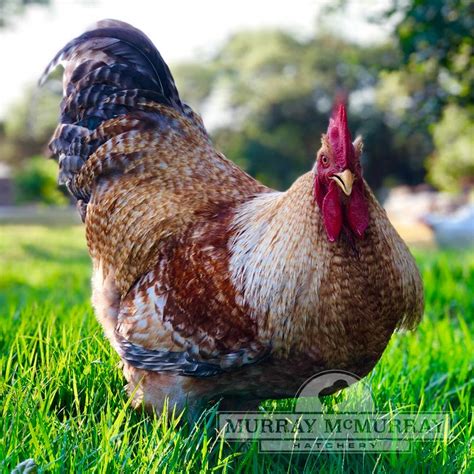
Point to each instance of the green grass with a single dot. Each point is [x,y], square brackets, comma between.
[61,393]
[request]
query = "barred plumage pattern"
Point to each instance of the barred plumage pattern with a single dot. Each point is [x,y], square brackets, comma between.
[115,81]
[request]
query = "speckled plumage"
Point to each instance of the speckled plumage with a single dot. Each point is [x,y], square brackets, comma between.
[207,283]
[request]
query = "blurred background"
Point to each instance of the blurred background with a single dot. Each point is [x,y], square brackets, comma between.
[264,76]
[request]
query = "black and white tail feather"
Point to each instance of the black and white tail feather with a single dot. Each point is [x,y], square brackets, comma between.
[112,70]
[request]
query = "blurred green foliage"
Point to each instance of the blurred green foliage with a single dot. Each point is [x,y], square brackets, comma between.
[452,165]
[36,181]
[29,124]
[436,41]
[266,96]
[278,92]
[11,8]
[435,84]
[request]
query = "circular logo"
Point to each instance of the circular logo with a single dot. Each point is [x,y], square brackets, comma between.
[356,398]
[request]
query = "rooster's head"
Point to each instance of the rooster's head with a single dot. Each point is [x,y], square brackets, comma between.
[338,185]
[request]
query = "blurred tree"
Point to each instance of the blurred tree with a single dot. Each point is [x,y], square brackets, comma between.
[436,42]
[29,124]
[274,96]
[435,77]
[35,181]
[196,79]
[451,167]
[11,8]
[267,97]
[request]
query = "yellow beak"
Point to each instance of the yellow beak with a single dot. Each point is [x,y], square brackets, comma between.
[344,181]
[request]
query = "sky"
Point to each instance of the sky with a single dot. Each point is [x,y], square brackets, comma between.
[181,29]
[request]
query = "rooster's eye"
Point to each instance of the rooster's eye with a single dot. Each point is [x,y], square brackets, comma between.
[324,159]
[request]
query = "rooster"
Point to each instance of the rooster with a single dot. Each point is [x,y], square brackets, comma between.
[208,284]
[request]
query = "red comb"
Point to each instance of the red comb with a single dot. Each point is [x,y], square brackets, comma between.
[339,135]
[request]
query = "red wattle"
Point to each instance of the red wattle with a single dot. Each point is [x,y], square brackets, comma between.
[357,212]
[332,212]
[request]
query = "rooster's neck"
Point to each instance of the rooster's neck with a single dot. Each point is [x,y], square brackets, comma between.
[278,252]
